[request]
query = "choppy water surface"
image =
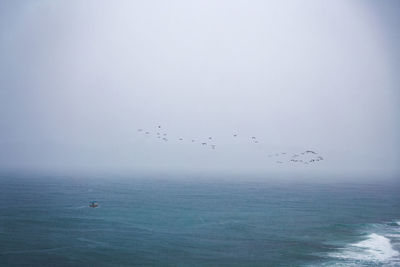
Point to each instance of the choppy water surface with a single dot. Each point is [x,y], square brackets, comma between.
[186,222]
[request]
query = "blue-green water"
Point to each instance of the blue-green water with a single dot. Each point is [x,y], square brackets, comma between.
[46,221]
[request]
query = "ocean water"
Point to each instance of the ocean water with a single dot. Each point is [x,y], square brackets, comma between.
[154,221]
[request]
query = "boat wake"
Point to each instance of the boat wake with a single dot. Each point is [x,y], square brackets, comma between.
[78,208]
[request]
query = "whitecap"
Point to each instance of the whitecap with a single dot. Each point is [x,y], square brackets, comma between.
[375,248]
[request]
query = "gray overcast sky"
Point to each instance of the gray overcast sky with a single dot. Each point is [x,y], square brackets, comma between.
[78,78]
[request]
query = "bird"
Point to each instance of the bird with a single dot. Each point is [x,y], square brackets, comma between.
[203,144]
[165,134]
[253,137]
[235,135]
[147,132]
[209,138]
[321,158]
[159,126]
[180,139]
[310,151]
[256,142]
[165,139]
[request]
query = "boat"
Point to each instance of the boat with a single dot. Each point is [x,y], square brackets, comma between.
[94,204]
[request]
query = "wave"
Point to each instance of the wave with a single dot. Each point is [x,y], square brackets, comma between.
[378,247]
[374,248]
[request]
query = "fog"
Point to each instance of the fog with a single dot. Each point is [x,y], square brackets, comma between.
[79,78]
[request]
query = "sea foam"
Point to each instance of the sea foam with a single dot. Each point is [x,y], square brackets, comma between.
[375,248]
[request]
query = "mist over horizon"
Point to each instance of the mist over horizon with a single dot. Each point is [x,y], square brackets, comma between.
[78,79]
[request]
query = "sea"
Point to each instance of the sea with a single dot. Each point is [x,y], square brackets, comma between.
[163,220]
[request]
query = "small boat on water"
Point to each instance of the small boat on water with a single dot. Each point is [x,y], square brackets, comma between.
[94,204]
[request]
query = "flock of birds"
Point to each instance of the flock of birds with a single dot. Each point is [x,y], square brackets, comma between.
[306,157]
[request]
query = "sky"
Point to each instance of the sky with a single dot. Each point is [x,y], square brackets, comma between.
[79,78]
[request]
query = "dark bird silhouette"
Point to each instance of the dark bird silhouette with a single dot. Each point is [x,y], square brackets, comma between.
[159,126]
[147,132]
[180,139]
[209,138]
[310,151]
[235,135]
[192,140]
[203,144]
[165,139]
[256,142]
[253,137]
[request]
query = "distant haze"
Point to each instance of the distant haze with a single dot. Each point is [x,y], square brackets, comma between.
[79,78]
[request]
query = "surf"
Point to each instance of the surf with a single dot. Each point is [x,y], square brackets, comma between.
[375,248]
